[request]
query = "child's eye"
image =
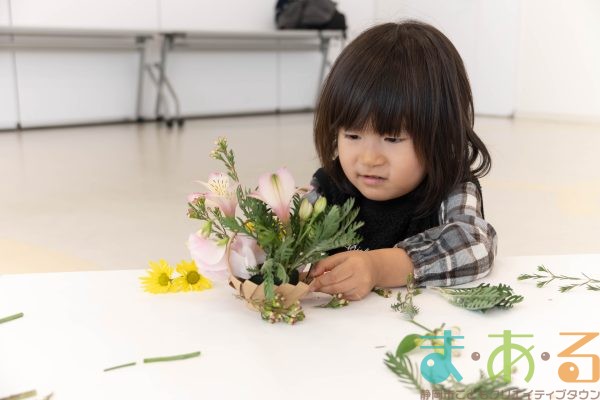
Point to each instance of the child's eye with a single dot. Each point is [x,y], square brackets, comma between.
[393,139]
[351,136]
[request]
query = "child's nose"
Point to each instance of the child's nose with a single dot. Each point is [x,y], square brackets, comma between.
[371,156]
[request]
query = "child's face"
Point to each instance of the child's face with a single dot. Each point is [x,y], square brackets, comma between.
[381,167]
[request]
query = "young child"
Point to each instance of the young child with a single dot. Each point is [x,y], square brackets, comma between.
[394,129]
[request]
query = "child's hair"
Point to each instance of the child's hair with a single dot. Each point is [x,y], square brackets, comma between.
[407,77]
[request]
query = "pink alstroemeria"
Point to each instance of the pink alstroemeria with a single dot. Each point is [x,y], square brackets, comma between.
[209,256]
[244,254]
[222,193]
[277,191]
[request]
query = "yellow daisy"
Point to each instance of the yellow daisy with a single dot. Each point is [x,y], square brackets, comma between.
[190,279]
[158,279]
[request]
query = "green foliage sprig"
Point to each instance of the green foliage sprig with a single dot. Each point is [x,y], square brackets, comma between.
[547,276]
[481,298]
[407,372]
[405,305]
[337,301]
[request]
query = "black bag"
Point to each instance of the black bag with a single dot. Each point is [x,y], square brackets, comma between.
[309,14]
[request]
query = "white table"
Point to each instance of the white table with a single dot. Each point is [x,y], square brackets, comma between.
[76,324]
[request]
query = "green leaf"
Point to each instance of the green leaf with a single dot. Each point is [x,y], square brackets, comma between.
[281,273]
[409,343]
[481,298]
[269,281]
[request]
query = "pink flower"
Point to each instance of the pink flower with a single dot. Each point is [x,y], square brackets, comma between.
[277,190]
[222,193]
[245,253]
[209,256]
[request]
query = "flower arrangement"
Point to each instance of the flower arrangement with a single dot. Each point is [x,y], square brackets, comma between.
[264,239]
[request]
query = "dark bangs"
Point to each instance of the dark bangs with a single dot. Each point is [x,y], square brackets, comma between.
[404,77]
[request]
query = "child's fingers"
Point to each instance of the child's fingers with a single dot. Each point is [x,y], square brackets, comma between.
[352,295]
[334,276]
[356,294]
[344,286]
[330,278]
[327,264]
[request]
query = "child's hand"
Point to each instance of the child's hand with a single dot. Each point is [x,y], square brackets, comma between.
[352,273]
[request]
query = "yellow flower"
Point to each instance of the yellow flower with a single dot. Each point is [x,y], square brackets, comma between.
[158,279]
[190,278]
[250,226]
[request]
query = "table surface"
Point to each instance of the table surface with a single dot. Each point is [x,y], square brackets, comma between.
[78,323]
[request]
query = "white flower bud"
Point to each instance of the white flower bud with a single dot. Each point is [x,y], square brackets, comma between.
[320,205]
[305,210]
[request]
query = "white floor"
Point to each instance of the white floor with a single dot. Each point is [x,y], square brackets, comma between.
[114,197]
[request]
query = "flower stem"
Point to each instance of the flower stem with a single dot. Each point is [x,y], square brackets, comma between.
[419,325]
[20,396]
[131,364]
[172,358]
[10,318]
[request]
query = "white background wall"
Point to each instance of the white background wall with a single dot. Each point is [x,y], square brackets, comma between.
[237,15]
[253,81]
[8,109]
[534,57]
[559,59]
[485,32]
[116,14]
[4,20]
[74,87]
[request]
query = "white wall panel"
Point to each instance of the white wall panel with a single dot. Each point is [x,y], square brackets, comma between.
[229,15]
[70,87]
[224,82]
[8,106]
[115,14]
[485,32]
[360,14]
[559,59]
[4,15]
[494,69]
[299,79]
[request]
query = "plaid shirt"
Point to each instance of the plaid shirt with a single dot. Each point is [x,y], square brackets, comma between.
[458,251]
